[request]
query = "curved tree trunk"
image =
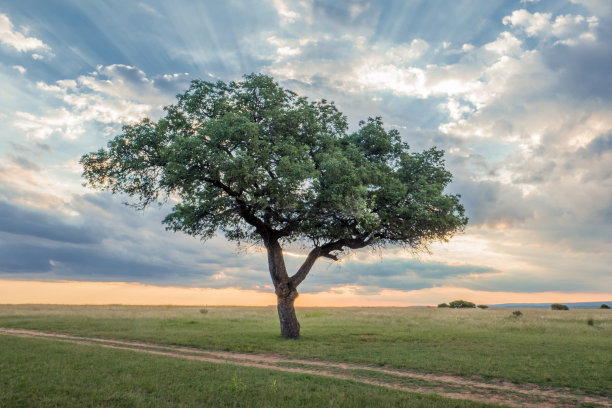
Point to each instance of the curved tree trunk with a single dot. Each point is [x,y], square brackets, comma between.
[290,327]
[286,287]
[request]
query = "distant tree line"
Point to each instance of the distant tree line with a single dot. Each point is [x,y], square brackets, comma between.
[462,304]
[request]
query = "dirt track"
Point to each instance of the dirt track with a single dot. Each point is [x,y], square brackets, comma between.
[497,392]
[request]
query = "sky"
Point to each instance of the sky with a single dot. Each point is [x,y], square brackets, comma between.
[517,93]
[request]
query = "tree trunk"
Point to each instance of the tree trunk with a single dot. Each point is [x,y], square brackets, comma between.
[290,327]
[285,291]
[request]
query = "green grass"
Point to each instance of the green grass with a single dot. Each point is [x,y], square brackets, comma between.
[543,346]
[48,373]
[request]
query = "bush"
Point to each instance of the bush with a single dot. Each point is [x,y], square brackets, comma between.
[483,306]
[461,304]
[517,313]
[590,321]
[558,306]
[443,305]
[604,306]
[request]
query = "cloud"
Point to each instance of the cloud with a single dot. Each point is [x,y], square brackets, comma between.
[19,68]
[598,146]
[17,40]
[32,223]
[111,95]
[372,274]
[520,100]
[567,29]
[284,12]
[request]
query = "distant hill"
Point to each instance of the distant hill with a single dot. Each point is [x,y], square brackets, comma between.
[578,305]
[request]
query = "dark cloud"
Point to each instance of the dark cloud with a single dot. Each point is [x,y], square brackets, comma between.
[22,221]
[585,68]
[535,171]
[25,163]
[43,147]
[344,11]
[598,146]
[491,203]
[86,264]
[393,273]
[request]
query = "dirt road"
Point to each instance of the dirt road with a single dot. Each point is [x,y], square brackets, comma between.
[490,391]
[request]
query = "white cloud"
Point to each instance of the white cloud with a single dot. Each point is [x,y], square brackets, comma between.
[60,121]
[389,77]
[505,44]
[285,13]
[19,68]
[111,95]
[284,48]
[404,53]
[532,23]
[13,38]
[567,29]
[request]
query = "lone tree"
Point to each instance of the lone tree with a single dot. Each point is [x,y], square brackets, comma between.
[264,165]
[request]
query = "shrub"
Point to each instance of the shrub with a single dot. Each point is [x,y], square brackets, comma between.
[604,306]
[483,306]
[461,304]
[203,311]
[558,306]
[517,313]
[590,321]
[443,305]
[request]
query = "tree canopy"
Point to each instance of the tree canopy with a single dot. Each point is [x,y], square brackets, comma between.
[259,163]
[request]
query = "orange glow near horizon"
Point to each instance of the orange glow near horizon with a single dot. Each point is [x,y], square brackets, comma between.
[102,293]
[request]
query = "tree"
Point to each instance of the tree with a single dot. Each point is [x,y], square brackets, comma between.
[461,304]
[261,164]
[559,306]
[604,306]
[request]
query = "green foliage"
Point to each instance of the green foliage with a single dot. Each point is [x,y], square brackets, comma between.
[558,306]
[461,304]
[255,160]
[591,321]
[517,313]
[604,306]
[483,306]
[443,305]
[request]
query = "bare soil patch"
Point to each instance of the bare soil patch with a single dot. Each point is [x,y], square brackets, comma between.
[475,389]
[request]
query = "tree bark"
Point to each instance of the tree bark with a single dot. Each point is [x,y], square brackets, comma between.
[285,291]
[290,327]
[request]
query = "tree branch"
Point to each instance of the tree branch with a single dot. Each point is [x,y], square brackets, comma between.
[325,252]
[301,274]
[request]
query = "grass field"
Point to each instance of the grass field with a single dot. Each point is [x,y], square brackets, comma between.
[42,373]
[555,348]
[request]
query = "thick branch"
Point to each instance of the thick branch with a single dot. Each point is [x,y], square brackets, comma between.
[301,274]
[339,245]
[244,209]
[325,251]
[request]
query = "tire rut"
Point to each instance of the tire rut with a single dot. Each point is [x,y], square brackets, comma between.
[495,391]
